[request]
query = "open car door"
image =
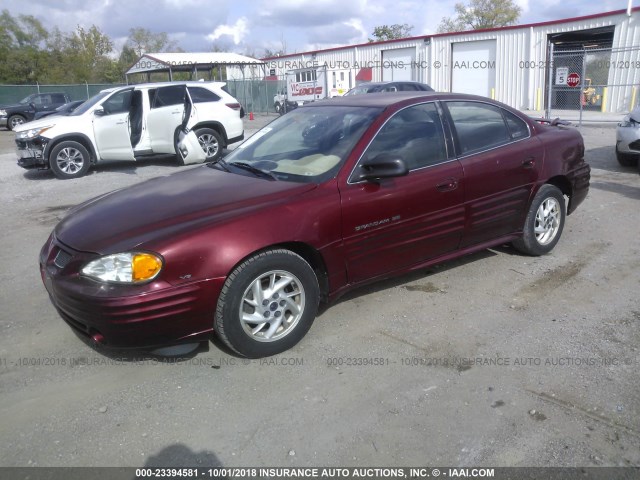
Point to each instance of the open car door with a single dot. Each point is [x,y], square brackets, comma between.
[188,148]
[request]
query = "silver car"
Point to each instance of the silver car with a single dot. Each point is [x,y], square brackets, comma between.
[628,139]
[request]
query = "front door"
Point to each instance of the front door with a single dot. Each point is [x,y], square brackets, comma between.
[394,223]
[111,127]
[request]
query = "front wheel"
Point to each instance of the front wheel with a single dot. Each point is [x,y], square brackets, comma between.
[626,159]
[69,160]
[544,223]
[211,143]
[15,121]
[267,304]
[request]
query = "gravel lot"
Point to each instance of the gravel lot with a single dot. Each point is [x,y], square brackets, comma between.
[553,343]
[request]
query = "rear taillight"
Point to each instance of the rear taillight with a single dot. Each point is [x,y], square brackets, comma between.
[233,106]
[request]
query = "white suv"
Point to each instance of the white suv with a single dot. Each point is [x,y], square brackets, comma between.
[193,120]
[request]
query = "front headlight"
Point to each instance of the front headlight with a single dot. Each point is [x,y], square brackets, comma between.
[3,113]
[34,132]
[129,267]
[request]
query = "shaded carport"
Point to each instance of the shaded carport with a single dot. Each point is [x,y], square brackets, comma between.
[193,63]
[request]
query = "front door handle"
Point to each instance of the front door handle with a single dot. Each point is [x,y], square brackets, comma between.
[448,185]
[529,162]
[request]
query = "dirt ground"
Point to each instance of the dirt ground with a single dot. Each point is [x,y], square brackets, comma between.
[497,359]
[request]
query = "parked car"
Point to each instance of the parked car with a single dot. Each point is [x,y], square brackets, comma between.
[132,122]
[333,195]
[12,116]
[628,139]
[377,87]
[65,109]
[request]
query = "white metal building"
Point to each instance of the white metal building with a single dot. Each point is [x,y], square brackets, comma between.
[509,64]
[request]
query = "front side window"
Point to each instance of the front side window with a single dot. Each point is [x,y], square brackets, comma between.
[414,134]
[118,102]
[479,126]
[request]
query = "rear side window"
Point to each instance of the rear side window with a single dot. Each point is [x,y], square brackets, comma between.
[202,95]
[479,126]
[415,135]
[407,87]
[167,96]
[58,98]
[517,126]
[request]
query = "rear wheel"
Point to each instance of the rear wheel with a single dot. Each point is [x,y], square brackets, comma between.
[69,160]
[267,304]
[544,223]
[626,159]
[211,143]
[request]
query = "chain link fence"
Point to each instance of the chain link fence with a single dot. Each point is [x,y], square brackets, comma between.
[14,93]
[598,84]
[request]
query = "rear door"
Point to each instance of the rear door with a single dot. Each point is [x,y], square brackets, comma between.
[187,146]
[501,163]
[165,116]
[111,127]
[397,222]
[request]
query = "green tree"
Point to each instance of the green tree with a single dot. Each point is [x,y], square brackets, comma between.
[144,41]
[21,56]
[479,14]
[391,32]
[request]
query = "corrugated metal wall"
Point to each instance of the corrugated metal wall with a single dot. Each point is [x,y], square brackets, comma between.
[521,59]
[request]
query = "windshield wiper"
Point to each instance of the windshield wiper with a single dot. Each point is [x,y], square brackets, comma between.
[222,163]
[256,171]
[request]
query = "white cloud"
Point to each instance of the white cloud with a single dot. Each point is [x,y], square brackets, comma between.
[237,31]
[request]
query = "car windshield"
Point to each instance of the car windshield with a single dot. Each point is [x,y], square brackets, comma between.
[27,99]
[88,104]
[307,145]
[358,90]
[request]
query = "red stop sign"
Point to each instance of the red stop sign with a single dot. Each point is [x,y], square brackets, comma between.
[573,80]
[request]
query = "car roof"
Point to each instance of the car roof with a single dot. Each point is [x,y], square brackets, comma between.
[392,98]
[189,83]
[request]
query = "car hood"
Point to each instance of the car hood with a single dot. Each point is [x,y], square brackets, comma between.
[43,122]
[14,105]
[164,207]
[635,115]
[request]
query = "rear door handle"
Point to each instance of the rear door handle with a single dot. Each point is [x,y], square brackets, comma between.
[448,185]
[529,162]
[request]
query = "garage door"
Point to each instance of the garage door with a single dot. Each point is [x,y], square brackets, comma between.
[473,67]
[396,64]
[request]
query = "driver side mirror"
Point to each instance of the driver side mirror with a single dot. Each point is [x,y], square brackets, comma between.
[99,112]
[385,165]
[32,106]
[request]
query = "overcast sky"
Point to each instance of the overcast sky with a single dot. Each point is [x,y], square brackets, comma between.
[253,25]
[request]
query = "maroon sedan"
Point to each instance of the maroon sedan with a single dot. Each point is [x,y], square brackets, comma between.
[326,198]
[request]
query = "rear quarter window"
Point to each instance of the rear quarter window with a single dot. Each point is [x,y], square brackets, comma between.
[202,95]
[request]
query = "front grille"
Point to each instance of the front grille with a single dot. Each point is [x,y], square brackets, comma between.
[62,259]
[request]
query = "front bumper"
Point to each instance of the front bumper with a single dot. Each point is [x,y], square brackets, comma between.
[3,121]
[628,139]
[31,152]
[126,316]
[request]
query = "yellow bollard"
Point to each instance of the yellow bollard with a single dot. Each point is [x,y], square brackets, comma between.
[634,90]
[538,100]
[603,107]
[493,94]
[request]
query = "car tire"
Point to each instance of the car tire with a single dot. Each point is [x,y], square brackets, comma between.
[288,312]
[211,143]
[69,160]
[15,121]
[626,159]
[545,222]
